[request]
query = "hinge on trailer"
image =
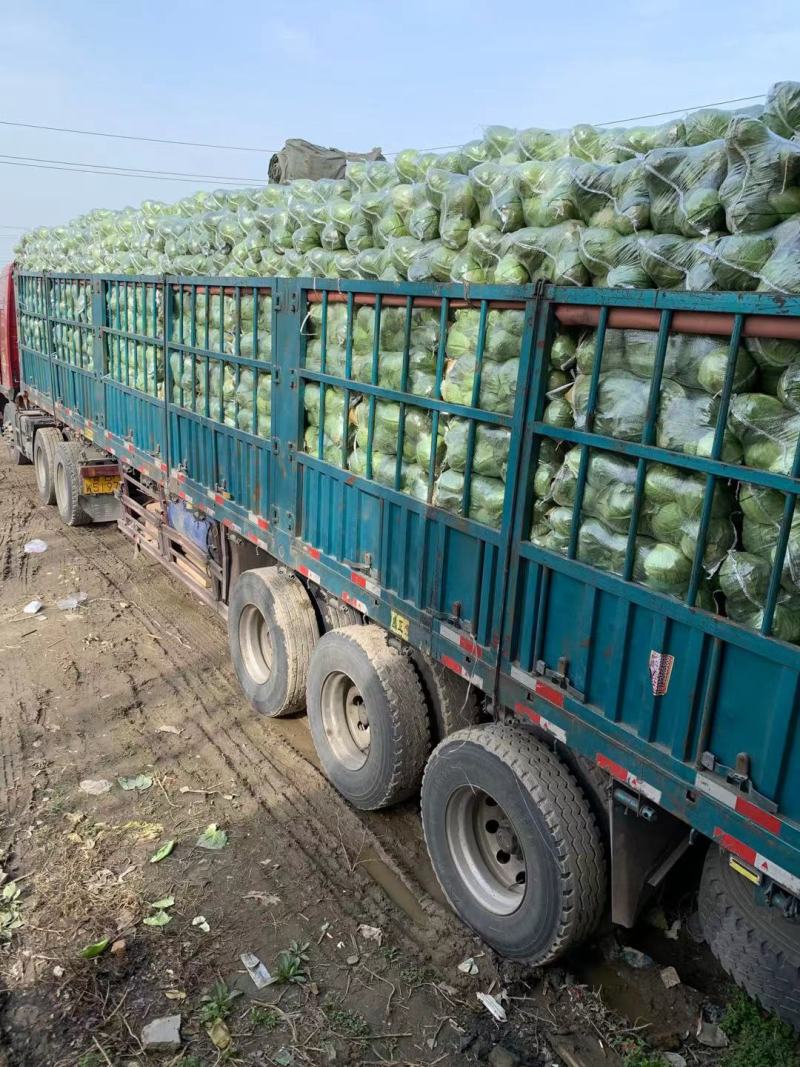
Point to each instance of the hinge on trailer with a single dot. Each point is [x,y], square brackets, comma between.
[276,300]
[558,677]
[738,777]
[275,445]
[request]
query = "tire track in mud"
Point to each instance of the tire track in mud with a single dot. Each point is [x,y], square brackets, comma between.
[320,830]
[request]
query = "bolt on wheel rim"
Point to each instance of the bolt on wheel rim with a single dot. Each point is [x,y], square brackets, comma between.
[486,850]
[256,644]
[345,720]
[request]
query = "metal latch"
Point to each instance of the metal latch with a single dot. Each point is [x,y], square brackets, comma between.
[558,676]
[738,777]
[276,445]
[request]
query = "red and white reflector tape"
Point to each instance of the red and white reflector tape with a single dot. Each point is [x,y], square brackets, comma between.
[462,641]
[739,803]
[363,582]
[629,779]
[541,722]
[756,860]
[354,602]
[311,575]
[474,678]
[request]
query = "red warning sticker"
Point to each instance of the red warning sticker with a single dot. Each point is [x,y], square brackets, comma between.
[660,672]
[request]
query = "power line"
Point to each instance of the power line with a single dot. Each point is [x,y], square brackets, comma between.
[133,137]
[681,110]
[131,170]
[111,173]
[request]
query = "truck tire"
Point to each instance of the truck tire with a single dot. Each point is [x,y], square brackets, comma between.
[44,460]
[68,483]
[513,842]
[272,630]
[19,459]
[368,718]
[756,944]
[334,615]
[453,702]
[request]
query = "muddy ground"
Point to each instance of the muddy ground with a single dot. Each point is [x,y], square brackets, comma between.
[136,681]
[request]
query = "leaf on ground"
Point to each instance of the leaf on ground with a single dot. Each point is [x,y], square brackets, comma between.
[165,902]
[202,923]
[212,837]
[139,781]
[175,994]
[267,899]
[10,891]
[162,853]
[96,948]
[160,918]
[95,787]
[143,831]
[219,1034]
[165,728]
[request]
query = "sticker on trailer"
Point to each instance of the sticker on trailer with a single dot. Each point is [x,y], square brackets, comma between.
[311,575]
[399,625]
[661,664]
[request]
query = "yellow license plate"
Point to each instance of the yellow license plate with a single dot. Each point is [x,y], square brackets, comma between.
[99,485]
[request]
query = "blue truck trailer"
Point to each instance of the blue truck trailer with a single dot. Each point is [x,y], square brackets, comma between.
[575,721]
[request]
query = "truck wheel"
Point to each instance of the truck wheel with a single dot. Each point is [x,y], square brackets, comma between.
[757,944]
[453,702]
[271,632]
[19,459]
[334,615]
[368,718]
[44,461]
[513,842]
[68,484]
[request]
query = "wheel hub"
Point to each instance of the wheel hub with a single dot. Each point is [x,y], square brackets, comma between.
[486,850]
[345,718]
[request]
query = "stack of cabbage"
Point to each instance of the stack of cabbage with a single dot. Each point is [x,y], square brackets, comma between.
[228,391]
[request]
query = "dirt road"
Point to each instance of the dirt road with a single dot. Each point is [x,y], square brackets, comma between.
[136,681]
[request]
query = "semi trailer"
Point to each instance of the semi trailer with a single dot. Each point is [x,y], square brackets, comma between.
[575,714]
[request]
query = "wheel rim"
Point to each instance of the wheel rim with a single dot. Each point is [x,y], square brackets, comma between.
[345,720]
[256,644]
[61,485]
[41,470]
[486,850]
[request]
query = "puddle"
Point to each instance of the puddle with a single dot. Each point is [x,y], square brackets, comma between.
[394,888]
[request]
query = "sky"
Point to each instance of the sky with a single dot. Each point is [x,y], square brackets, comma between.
[353,74]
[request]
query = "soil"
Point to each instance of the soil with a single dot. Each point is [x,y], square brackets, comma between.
[135,681]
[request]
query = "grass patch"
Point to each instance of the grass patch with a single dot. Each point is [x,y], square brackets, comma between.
[345,1023]
[757,1039]
[264,1019]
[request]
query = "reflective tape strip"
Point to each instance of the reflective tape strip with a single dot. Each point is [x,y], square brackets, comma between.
[163,468]
[311,575]
[738,803]
[541,721]
[756,860]
[365,583]
[231,525]
[129,448]
[624,776]
[313,552]
[464,641]
[256,520]
[218,498]
[550,693]
[454,665]
[524,679]
[354,602]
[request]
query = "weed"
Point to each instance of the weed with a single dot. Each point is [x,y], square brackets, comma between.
[217,1004]
[191,1061]
[264,1018]
[391,954]
[344,1022]
[642,1057]
[291,967]
[416,976]
[91,1059]
[757,1039]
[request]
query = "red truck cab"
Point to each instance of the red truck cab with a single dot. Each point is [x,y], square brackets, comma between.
[9,350]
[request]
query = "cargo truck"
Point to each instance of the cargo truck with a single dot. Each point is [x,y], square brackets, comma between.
[574,728]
